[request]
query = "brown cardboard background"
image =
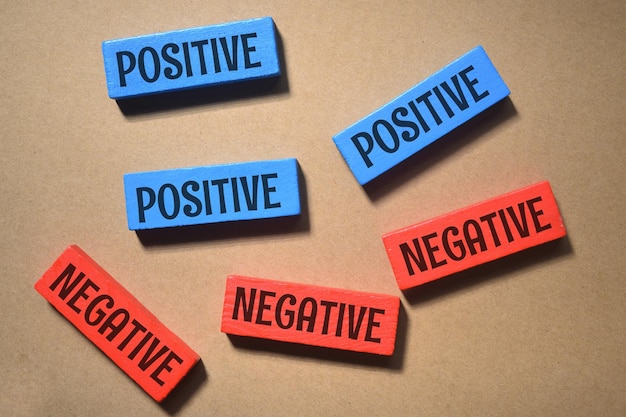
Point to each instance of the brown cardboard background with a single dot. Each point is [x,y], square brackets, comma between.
[539,333]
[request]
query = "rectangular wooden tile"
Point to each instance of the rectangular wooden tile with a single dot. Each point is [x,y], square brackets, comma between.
[112,319]
[310,315]
[474,235]
[421,115]
[191,58]
[212,194]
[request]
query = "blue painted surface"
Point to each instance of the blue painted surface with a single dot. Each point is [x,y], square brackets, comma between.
[191,58]
[421,115]
[212,194]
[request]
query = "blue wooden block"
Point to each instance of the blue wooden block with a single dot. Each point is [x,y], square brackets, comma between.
[212,194]
[191,58]
[421,115]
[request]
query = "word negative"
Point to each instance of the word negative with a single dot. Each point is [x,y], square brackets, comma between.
[310,315]
[474,235]
[212,194]
[421,115]
[108,315]
[191,58]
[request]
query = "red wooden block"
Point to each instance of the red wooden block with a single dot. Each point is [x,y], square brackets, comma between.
[310,315]
[109,316]
[474,235]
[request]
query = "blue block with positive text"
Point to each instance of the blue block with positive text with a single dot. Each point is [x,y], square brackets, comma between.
[191,58]
[421,115]
[212,194]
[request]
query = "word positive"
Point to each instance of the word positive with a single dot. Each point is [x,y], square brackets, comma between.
[212,194]
[310,315]
[474,235]
[108,315]
[421,115]
[189,58]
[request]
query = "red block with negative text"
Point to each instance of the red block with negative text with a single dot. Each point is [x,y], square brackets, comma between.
[474,235]
[109,316]
[311,315]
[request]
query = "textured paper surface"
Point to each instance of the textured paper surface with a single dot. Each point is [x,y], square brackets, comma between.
[540,333]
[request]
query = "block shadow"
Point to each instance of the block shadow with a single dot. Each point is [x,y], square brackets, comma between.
[233,229]
[203,96]
[190,384]
[393,362]
[440,149]
[489,271]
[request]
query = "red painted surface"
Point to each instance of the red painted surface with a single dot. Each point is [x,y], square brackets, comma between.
[310,315]
[474,235]
[109,316]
